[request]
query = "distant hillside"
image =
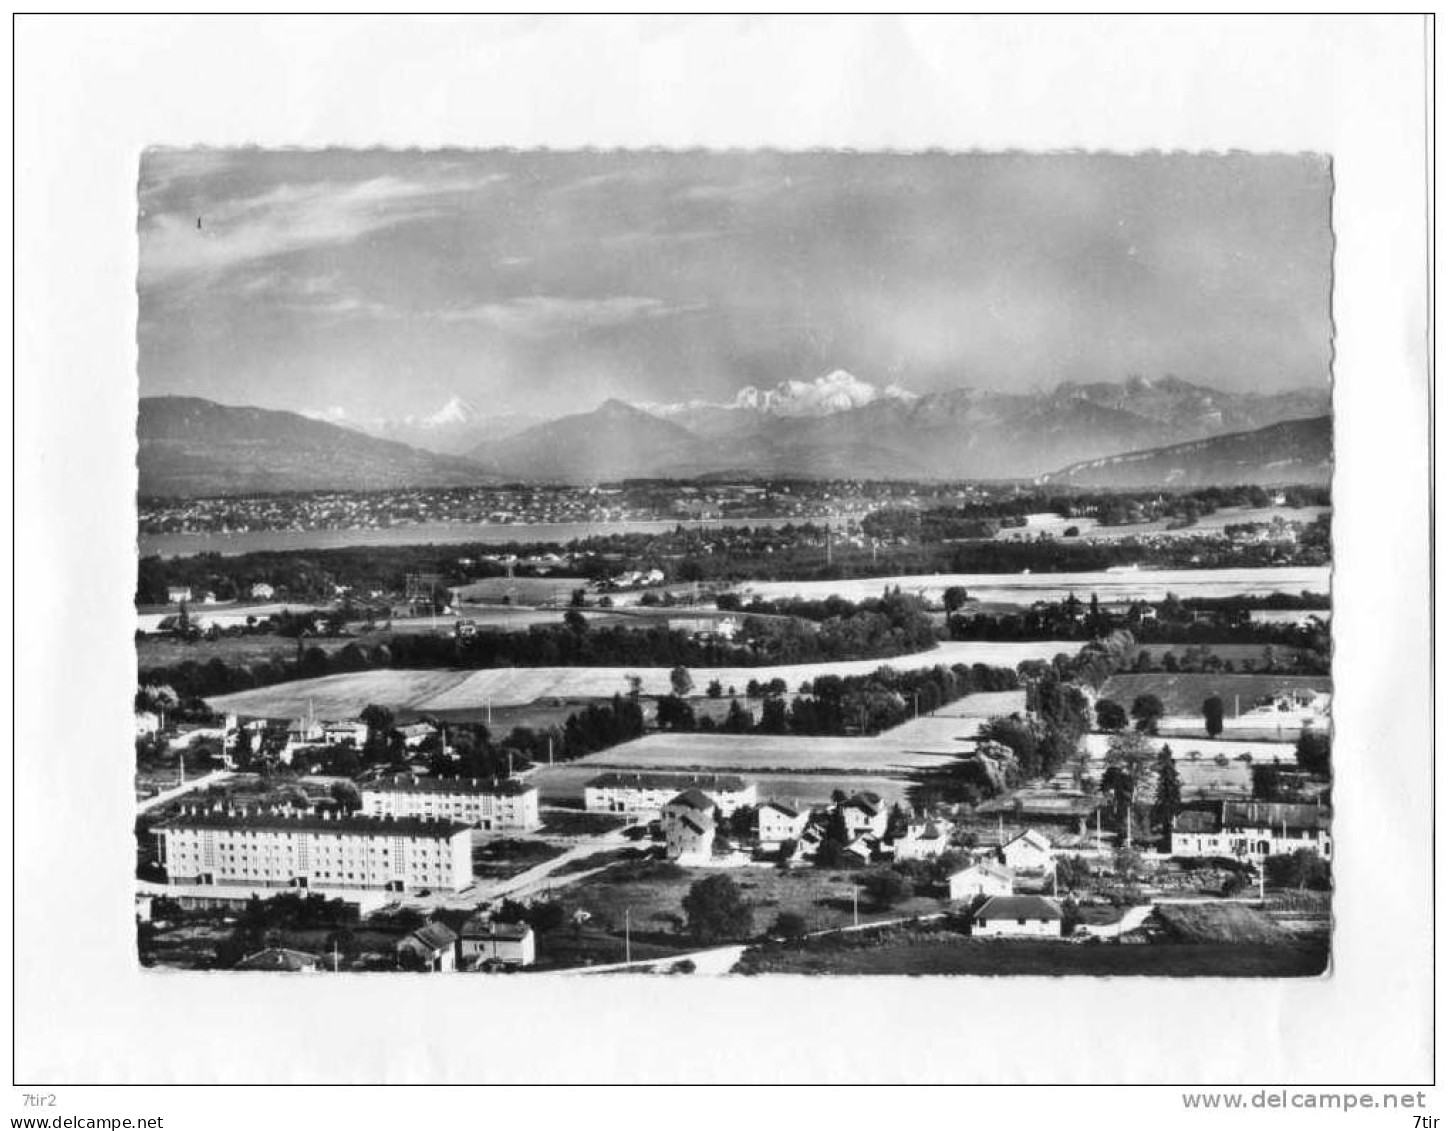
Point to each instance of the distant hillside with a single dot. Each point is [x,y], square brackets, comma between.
[1293,451]
[193,447]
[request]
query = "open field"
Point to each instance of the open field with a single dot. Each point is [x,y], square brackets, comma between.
[452,690]
[167,651]
[984,705]
[1025,588]
[938,954]
[824,898]
[1196,762]
[1183,693]
[750,753]
[520,590]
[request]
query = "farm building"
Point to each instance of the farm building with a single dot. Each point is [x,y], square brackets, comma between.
[1017,916]
[483,803]
[623,792]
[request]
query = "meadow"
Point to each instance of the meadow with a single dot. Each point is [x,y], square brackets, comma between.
[1182,693]
[1025,588]
[345,695]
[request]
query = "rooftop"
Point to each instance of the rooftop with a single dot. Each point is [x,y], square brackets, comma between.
[272,820]
[495,787]
[1019,907]
[617,779]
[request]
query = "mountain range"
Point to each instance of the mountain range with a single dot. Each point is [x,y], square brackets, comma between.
[1291,451]
[194,447]
[796,431]
[837,427]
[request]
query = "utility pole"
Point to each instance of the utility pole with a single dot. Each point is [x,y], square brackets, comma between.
[550,748]
[857,905]
[336,957]
[627,941]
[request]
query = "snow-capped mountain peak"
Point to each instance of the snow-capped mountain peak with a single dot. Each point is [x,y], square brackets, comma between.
[837,391]
[455,411]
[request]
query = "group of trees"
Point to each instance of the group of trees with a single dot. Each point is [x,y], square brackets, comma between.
[1300,649]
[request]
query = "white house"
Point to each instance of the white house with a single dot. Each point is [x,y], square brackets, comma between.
[688,822]
[415,734]
[341,733]
[1028,852]
[1253,830]
[690,839]
[1017,916]
[177,594]
[147,723]
[262,591]
[864,814]
[484,941]
[922,841]
[779,822]
[984,878]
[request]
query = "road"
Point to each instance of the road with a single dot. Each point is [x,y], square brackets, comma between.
[538,876]
[181,790]
[723,959]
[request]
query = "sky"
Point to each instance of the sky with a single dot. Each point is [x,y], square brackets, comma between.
[379,284]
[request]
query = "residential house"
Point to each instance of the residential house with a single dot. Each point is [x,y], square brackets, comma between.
[484,941]
[1017,916]
[148,723]
[864,813]
[261,591]
[688,822]
[177,594]
[432,946]
[984,878]
[415,734]
[1030,851]
[281,960]
[689,839]
[625,792]
[922,841]
[345,732]
[1253,830]
[779,822]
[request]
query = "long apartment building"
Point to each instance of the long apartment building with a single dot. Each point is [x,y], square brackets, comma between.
[485,803]
[623,792]
[289,848]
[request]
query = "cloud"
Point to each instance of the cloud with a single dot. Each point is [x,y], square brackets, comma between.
[541,316]
[289,218]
